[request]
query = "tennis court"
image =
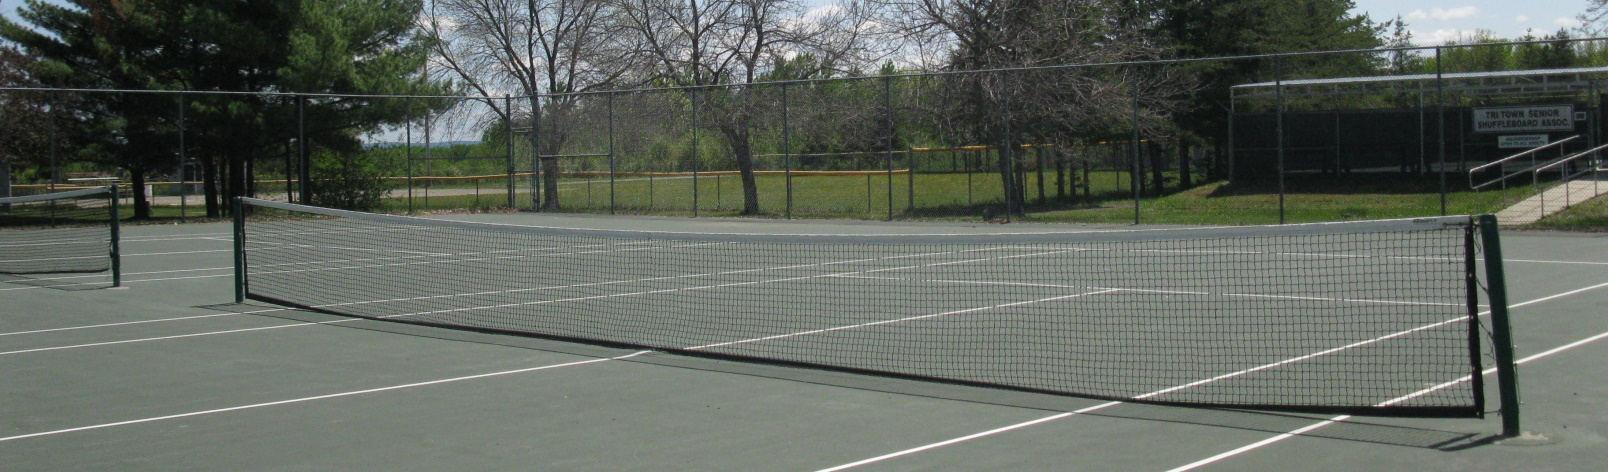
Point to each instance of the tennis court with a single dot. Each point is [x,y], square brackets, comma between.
[169,374]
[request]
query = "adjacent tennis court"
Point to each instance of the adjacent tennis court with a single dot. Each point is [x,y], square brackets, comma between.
[770,348]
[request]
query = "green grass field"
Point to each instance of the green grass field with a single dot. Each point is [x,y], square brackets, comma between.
[959,196]
[1589,216]
[968,197]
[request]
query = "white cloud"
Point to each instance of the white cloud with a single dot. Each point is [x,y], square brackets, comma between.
[824,12]
[1444,35]
[1567,22]
[1444,14]
[1521,19]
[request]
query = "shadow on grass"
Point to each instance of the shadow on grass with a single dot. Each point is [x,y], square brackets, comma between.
[1347,184]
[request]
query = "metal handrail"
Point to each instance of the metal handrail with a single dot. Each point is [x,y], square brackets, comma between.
[1562,160]
[1504,160]
[1525,153]
[1564,178]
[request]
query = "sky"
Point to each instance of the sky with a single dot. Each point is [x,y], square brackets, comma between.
[1432,22]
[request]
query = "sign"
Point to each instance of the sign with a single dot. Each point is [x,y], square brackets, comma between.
[1524,119]
[1521,141]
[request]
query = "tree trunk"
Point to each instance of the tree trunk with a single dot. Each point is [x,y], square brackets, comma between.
[251,180]
[237,177]
[5,183]
[1007,180]
[1219,160]
[142,205]
[1157,167]
[550,184]
[209,185]
[745,169]
[1060,175]
[5,179]
[1184,179]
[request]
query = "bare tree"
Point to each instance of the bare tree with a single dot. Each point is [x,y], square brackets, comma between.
[1592,21]
[1033,96]
[530,48]
[738,43]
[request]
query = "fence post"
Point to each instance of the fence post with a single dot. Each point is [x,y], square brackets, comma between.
[1278,80]
[887,110]
[1133,146]
[55,162]
[184,188]
[535,152]
[1440,112]
[613,166]
[508,104]
[695,153]
[408,154]
[305,175]
[787,155]
[1008,153]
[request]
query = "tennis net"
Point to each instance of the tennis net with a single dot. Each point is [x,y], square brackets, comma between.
[63,232]
[1351,318]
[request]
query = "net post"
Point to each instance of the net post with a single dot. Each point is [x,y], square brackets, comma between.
[236,208]
[1471,271]
[1501,330]
[116,241]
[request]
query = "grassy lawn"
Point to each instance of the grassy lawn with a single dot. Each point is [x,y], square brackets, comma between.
[968,197]
[1221,203]
[1109,199]
[1588,216]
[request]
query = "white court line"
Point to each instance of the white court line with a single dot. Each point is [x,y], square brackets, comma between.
[1533,261]
[795,266]
[125,282]
[159,320]
[182,336]
[102,276]
[1109,404]
[260,405]
[526,303]
[177,253]
[319,397]
[1165,292]
[897,320]
[187,237]
[1341,418]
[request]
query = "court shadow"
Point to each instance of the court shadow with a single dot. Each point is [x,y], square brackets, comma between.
[65,281]
[422,331]
[1368,430]
[1356,429]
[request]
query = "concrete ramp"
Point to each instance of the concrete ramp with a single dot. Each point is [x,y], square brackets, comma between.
[1553,200]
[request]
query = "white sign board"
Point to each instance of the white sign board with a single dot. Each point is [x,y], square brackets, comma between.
[1521,141]
[1524,119]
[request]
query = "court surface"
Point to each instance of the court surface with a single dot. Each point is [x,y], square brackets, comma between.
[169,374]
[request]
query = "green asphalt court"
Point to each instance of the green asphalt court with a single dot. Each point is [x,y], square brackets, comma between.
[167,373]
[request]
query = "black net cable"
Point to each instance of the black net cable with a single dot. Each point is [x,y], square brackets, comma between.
[1322,318]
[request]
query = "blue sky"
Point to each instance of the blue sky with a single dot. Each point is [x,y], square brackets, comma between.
[1432,22]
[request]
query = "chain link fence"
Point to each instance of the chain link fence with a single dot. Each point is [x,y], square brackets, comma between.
[1264,139]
